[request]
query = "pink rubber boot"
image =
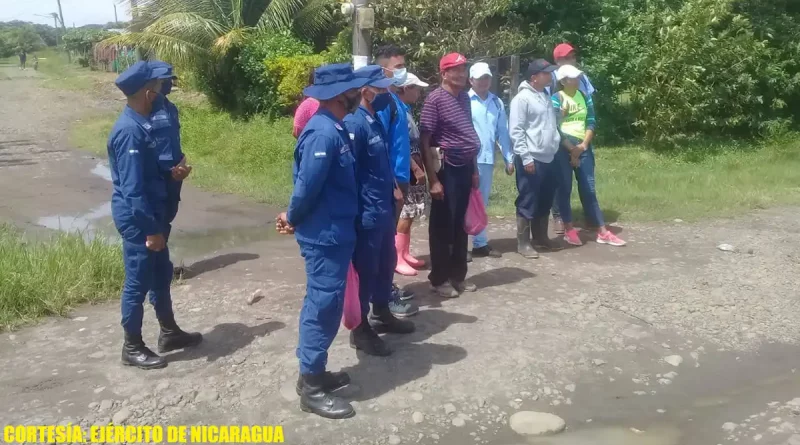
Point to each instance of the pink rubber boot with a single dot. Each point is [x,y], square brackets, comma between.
[413,262]
[401,242]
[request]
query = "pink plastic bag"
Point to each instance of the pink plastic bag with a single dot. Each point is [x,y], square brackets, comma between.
[476,219]
[352,304]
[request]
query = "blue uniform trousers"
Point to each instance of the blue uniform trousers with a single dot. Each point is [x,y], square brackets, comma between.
[536,191]
[375,259]
[326,275]
[145,271]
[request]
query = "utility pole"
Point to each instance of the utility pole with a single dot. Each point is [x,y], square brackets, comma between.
[116,19]
[363,23]
[63,27]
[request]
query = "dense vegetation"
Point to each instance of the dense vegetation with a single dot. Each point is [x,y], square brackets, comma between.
[667,70]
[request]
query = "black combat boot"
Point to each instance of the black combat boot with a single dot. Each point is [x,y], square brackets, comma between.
[365,339]
[524,247]
[385,322]
[541,239]
[135,353]
[331,381]
[315,399]
[172,337]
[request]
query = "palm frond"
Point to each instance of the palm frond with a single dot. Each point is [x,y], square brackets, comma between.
[188,26]
[313,19]
[168,48]
[231,39]
[280,14]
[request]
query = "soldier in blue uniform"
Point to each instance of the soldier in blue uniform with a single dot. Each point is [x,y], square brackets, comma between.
[375,255]
[138,207]
[322,215]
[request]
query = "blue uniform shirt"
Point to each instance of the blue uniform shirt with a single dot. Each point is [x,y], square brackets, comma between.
[140,191]
[166,132]
[394,119]
[374,174]
[324,203]
[491,124]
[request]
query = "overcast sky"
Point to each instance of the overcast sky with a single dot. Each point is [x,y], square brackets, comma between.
[81,12]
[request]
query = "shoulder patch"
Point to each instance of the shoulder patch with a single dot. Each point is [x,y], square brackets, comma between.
[352,136]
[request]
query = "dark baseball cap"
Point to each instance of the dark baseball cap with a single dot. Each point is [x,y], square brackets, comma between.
[540,65]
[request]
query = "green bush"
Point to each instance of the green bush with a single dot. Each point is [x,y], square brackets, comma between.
[259,91]
[291,75]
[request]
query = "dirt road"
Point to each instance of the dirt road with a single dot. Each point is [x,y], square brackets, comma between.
[669,341]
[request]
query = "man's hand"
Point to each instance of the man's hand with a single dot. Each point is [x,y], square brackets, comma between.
[476,180]
[581,147]
[510,168]
[420,177]
[398,194]
[437,191]
[181,171]
[282,225]
[156,243]
[530,168]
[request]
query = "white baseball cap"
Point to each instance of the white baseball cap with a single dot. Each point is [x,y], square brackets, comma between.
[412,79]
[479,70]
[568,72]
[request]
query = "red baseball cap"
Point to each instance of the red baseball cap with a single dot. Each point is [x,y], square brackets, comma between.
[452,60]
[562,51]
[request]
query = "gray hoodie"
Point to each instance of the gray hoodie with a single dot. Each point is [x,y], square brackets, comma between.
[533,125]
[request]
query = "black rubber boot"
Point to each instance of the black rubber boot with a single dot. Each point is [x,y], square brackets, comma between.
[172,337]
[315,399]
[331,381]
[524,247]
[384,322]
[541,239]
[135,353]
[365,339]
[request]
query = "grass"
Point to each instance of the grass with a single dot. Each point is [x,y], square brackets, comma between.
[62,75]
[51,277]
[638,184]
[253,158]
[250,158]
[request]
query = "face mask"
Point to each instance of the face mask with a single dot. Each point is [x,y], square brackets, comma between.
[351,102]
[399,76]
[381,101]
[166,87]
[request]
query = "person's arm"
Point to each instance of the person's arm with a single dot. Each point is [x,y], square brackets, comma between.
[129,151]
[517,122]
[591,123]
[429,124]
[319,151]
[503,136]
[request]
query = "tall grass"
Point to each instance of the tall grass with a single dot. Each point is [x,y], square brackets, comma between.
[51,277]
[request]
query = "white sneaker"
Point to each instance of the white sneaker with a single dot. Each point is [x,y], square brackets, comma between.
[446,290]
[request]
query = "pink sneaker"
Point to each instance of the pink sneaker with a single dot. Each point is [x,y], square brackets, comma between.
[610,239]
[572,238]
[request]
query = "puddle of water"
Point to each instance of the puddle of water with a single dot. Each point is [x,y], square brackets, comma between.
[657,435]
[192,245]
[102,171]
[88,224]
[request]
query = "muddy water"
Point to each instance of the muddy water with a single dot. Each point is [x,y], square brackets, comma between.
[186,246]
[721,387]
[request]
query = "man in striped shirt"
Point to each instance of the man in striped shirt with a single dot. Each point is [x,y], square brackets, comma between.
[446,122]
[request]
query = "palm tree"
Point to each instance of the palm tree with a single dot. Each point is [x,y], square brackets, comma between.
[196,31]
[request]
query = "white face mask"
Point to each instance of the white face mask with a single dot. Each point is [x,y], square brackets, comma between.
[399,76]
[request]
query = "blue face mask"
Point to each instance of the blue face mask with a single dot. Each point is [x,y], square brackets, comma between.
[166,87]
[399,76]
[381,101]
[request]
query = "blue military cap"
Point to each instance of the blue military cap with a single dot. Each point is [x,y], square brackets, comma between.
[374,75]
[138,75]
[333,80]
[159,64]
